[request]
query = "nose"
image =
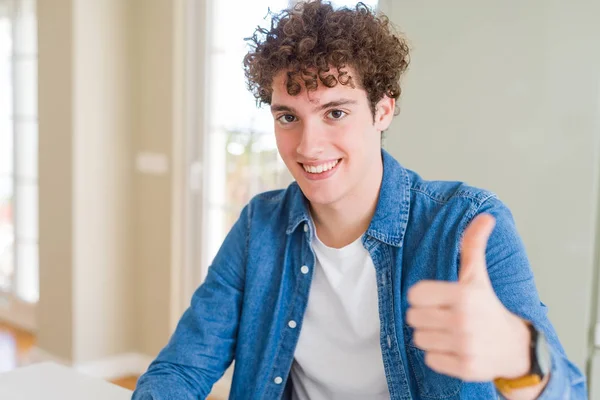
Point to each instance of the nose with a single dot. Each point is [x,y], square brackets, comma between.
[311,144]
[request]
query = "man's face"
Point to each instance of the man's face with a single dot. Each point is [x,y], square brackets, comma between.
[328,138]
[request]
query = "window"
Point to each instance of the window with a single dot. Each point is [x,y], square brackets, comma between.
[242,159]
[18,151]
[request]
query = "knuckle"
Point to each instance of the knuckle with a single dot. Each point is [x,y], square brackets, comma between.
[464,321]
[414,292]
[430,360]
[461,321]
[418,338]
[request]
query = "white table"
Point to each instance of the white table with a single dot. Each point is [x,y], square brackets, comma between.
[51,381]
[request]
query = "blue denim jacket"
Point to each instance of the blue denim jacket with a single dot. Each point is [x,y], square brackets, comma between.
[261,277]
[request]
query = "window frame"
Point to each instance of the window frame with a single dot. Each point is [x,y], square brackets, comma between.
[14,306]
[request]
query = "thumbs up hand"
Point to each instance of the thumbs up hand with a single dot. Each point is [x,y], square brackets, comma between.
[464,329]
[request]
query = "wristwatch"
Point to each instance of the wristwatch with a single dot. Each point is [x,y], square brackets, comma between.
[541,362]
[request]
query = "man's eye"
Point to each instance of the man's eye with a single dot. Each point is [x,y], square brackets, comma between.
[336,114]
[287,119]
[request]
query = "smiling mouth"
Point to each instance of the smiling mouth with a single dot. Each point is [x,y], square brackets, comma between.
[320,168]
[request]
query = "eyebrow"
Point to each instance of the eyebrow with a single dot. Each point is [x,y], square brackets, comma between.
[335,103]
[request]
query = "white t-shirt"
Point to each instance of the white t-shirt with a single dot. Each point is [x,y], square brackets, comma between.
[338,355]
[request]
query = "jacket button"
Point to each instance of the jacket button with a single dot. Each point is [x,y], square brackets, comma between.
[304,269]
[292,324]
[305,227]
[278,380]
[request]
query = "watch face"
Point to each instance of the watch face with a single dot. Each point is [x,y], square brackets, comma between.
[543,354]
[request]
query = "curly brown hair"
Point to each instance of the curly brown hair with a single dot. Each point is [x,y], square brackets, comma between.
[313,37]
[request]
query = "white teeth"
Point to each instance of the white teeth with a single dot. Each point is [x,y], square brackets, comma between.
[320,168]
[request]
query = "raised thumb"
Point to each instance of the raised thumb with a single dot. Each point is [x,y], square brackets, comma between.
[474,243]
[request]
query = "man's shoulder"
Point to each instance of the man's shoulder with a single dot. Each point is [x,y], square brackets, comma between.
[445,191]
[277,205]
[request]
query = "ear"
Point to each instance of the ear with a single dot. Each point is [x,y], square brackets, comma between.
[384,113]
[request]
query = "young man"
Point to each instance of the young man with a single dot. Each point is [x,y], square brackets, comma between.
[360,280]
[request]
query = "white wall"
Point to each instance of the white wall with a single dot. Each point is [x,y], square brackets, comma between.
[87,297]
[103,282]
[153,79]
[55,308]
[504,95]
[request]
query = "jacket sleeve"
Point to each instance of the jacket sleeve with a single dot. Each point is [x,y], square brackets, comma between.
[512,278]
[203,344]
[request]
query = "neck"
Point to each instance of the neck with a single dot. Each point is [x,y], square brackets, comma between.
[341,223]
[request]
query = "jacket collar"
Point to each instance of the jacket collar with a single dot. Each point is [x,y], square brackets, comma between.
[391,215]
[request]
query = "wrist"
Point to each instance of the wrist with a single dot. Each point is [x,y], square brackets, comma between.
[520,364]
[537,365]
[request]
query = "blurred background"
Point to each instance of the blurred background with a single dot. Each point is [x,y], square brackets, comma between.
[129,144]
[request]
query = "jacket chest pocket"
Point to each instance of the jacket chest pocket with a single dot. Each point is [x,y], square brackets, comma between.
[430,384]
